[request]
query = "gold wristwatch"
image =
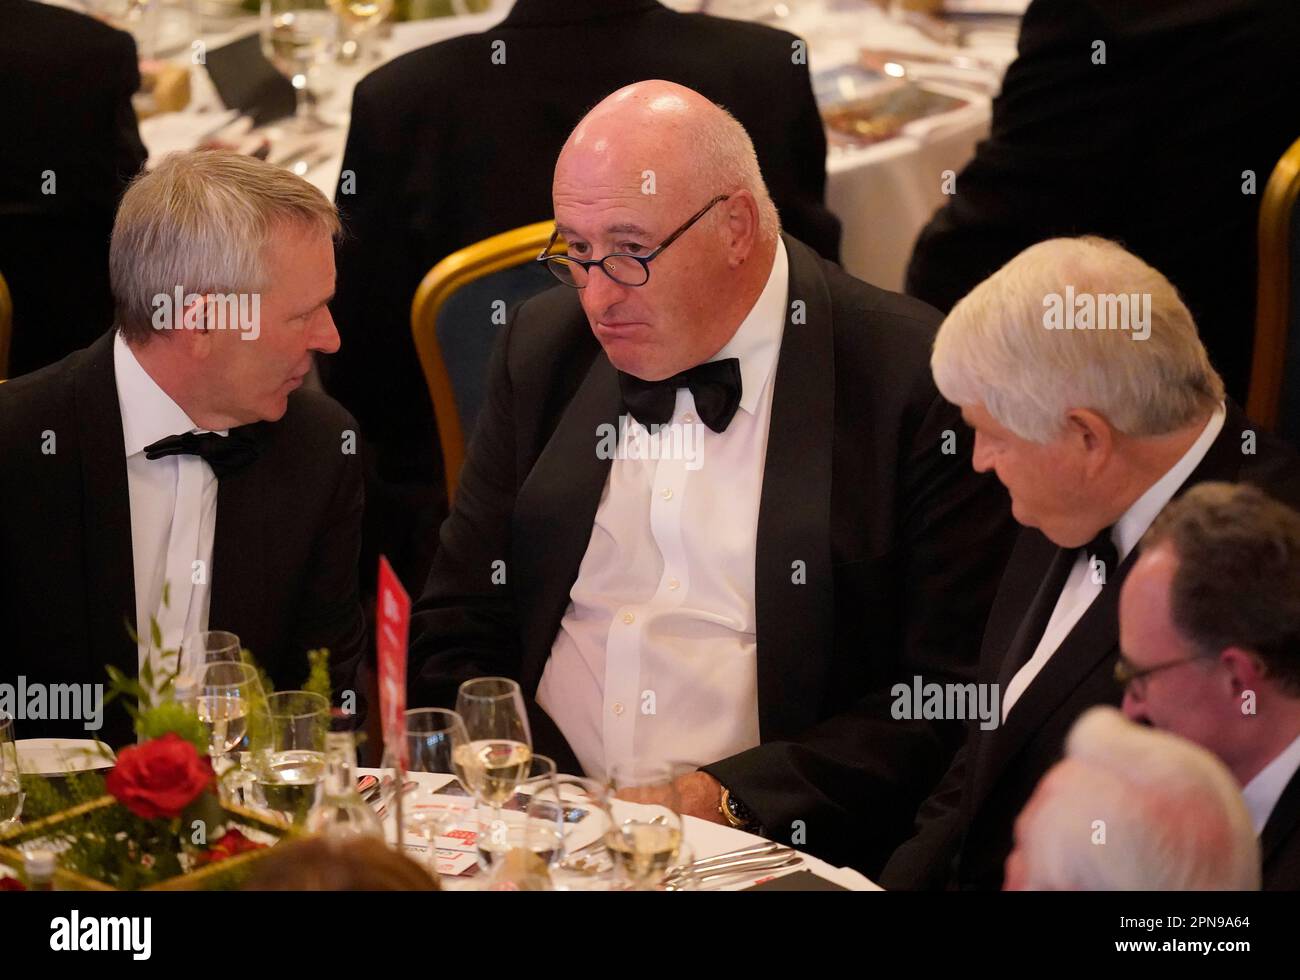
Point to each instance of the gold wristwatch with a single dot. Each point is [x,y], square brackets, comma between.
[736,813]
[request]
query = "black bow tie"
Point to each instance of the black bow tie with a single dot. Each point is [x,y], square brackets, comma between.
[715,386]
[224,454]
[1102,547]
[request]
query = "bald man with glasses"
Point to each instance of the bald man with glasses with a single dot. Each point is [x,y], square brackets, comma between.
[785,524]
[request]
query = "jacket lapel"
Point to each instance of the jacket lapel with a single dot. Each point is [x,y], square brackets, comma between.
[109,574]
[1282,822]
[793,577]
[237,577]
[1094,637]
[555,511]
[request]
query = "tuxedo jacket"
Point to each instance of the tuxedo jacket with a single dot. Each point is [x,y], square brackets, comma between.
[963,832]
[1150,149]
[1279,842]
[866,481]
[71,145]
[283,574]
[449,146]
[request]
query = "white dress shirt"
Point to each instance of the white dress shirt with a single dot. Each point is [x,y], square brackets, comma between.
[173,509]
[1080,590]
[1262,793]
[656,659]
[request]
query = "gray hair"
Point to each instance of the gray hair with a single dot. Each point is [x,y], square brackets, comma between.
[201,221]
[727,161]
[1172,815]
[1129,350]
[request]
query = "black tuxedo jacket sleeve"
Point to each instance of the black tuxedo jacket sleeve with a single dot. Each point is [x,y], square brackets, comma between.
[902,544]
[284,555]
[1280,841]
[964,831]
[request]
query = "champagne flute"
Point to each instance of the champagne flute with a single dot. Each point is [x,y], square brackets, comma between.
[432,737]
[296,37]
[11,787]
[644,837]
[288,739]
[496,759]
[226,694]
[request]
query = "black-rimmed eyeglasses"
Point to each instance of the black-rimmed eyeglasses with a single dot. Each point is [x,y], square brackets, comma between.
[1128,674]
[623,267]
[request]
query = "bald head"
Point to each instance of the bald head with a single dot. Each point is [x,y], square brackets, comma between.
[636,169]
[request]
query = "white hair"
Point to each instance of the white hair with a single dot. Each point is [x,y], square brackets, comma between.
[1132,808]
[202,220]
[1147,374]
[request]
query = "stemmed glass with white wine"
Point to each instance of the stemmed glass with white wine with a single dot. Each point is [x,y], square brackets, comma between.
[297,36]
[644,837]
[224,698]
[358,19]
[288,740]
[498,755]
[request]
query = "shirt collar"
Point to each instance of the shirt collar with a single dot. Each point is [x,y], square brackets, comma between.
[757,341]
[1262,793]
[1130,528]
[148,412]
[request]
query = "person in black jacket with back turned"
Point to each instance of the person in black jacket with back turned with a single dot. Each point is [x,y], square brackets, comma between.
[70,147]
[1154,147]
[454,143]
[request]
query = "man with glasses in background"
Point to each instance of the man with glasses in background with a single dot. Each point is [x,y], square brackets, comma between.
[785,525]
[1210,629]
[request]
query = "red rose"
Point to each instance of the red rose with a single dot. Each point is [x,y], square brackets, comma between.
[9,884]
[159,778]
[232,842]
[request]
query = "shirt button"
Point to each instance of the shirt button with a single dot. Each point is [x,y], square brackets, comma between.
[618,707]
[688,418]
[673,583]
[629,618]
[666,493]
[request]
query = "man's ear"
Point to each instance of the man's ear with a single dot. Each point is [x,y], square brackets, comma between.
[196,320]
[1245,669]
[1092,434]
[741,225]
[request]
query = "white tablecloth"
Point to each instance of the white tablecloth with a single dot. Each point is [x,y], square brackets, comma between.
[705,839]
[883,194]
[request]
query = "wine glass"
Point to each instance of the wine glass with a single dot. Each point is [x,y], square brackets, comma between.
[644,837]
[11,787]
[510,845]
[358,19]
[497,757]
[288,742]
[432,737]
[556,815]
[296,37]
[225,696]
[209,646]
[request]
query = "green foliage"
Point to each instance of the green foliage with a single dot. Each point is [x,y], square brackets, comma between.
[172,717]
[318,677]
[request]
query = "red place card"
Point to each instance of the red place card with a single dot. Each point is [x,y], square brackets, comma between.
[392,625]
